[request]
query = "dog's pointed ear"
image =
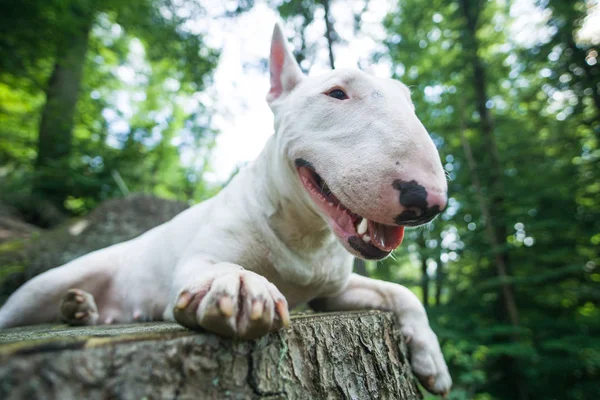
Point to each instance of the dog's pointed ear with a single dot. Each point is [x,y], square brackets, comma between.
[285,71]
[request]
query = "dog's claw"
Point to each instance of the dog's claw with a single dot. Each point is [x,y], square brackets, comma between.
[226,306]
[184,299]
[430,381]
[283,312]
[436,384]
[426,358]
[257,310]
[238,304]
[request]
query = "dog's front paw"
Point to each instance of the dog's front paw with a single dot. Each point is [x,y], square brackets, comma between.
[426,358]
[238,304]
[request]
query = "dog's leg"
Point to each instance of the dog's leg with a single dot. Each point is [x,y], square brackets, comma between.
[226,299]
[426,356]
[62,293]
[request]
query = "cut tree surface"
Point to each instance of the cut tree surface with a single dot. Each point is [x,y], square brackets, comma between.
[356,355]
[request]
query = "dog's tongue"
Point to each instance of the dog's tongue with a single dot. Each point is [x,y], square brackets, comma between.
[385,237]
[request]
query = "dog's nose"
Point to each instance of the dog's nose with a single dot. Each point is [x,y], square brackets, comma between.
[419,204]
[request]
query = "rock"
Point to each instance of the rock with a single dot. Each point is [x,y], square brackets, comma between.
[112,222]
[12,225]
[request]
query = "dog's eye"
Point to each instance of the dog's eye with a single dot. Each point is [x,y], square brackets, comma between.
[337,94]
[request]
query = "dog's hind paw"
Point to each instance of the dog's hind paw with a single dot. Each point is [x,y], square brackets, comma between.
[426,358]
[78,308]
[238,304]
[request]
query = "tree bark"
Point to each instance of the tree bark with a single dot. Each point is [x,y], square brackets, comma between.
[506,288]
[499,260]
[492,212]
[56,127]
[329,33]
[360,267]
[424,275]
[357,355]
[439,281]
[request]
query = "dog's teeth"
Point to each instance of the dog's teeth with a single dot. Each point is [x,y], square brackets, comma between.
[361,228]
[367,238]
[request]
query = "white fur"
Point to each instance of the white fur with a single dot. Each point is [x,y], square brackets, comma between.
[262,240]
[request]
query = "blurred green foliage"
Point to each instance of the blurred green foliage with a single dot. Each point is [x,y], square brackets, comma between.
[139,57]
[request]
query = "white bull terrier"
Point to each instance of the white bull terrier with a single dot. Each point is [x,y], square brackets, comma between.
[348,167]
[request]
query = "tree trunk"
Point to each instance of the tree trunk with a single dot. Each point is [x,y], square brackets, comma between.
[329,33]
[360,267]
[56,126]
[492,212]
[425,283]
[424,275]
[357,355]
[591,78]
[439,280]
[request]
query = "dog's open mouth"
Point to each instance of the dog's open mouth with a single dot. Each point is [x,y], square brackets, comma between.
[370,239]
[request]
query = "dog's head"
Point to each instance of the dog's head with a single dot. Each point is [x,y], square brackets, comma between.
[361,154]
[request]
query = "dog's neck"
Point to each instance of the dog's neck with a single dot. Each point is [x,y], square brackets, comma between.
[290,212]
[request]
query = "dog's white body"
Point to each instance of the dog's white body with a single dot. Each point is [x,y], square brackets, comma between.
[230,263]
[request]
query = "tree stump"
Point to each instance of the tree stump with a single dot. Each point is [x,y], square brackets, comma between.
[355,355]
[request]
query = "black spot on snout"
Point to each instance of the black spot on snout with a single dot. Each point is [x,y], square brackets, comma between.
[411,193]
[301,162]
[413,197]
[366,250]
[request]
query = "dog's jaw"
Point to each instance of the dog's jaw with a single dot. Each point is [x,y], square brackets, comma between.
[361,237]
